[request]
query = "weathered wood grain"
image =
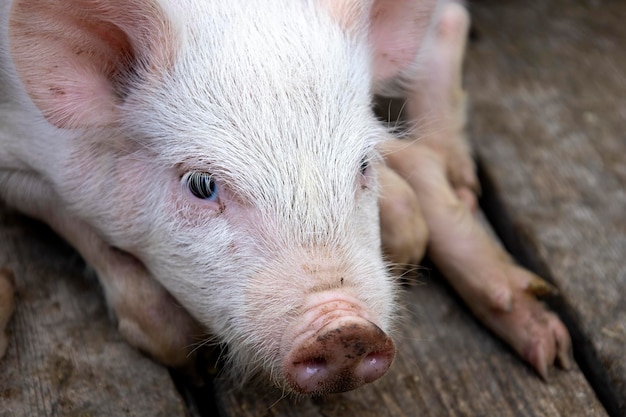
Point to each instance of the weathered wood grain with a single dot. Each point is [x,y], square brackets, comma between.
[547,81]
[65,357]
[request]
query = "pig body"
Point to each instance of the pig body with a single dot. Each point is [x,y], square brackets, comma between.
[221,157]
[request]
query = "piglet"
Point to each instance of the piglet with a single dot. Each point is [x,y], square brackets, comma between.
[224,157]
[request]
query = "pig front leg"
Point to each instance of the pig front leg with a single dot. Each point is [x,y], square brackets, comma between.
[7,304]
[436,100]
[440,172]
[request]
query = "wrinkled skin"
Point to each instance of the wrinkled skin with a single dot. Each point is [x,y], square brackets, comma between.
[288,318]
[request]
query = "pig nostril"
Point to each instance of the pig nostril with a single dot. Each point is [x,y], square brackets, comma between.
[372,359]
[374,365]
[375,358]
[313,366]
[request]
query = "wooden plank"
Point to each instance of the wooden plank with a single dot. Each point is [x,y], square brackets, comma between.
[547,86]
[65,357]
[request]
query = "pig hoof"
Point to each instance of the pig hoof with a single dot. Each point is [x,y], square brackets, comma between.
[7,288]
[534,332]
[344,354]
[546,340]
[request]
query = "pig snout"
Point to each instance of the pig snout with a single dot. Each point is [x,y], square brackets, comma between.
[339,351]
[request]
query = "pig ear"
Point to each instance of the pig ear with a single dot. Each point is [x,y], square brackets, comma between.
[77,58]
[397,30]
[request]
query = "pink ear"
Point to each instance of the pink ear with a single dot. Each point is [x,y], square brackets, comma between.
[397,30]
[351,15]
[77,57]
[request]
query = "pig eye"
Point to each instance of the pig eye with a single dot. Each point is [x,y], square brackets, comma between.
[202,185]
[365,164]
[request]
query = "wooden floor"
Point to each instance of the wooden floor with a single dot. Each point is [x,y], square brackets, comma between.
[547,82]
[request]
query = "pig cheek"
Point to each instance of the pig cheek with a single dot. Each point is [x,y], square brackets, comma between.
[203,256]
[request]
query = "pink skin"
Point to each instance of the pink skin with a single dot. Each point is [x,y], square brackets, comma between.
[335,347]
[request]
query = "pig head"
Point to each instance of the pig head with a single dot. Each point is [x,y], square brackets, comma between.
[223,151]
